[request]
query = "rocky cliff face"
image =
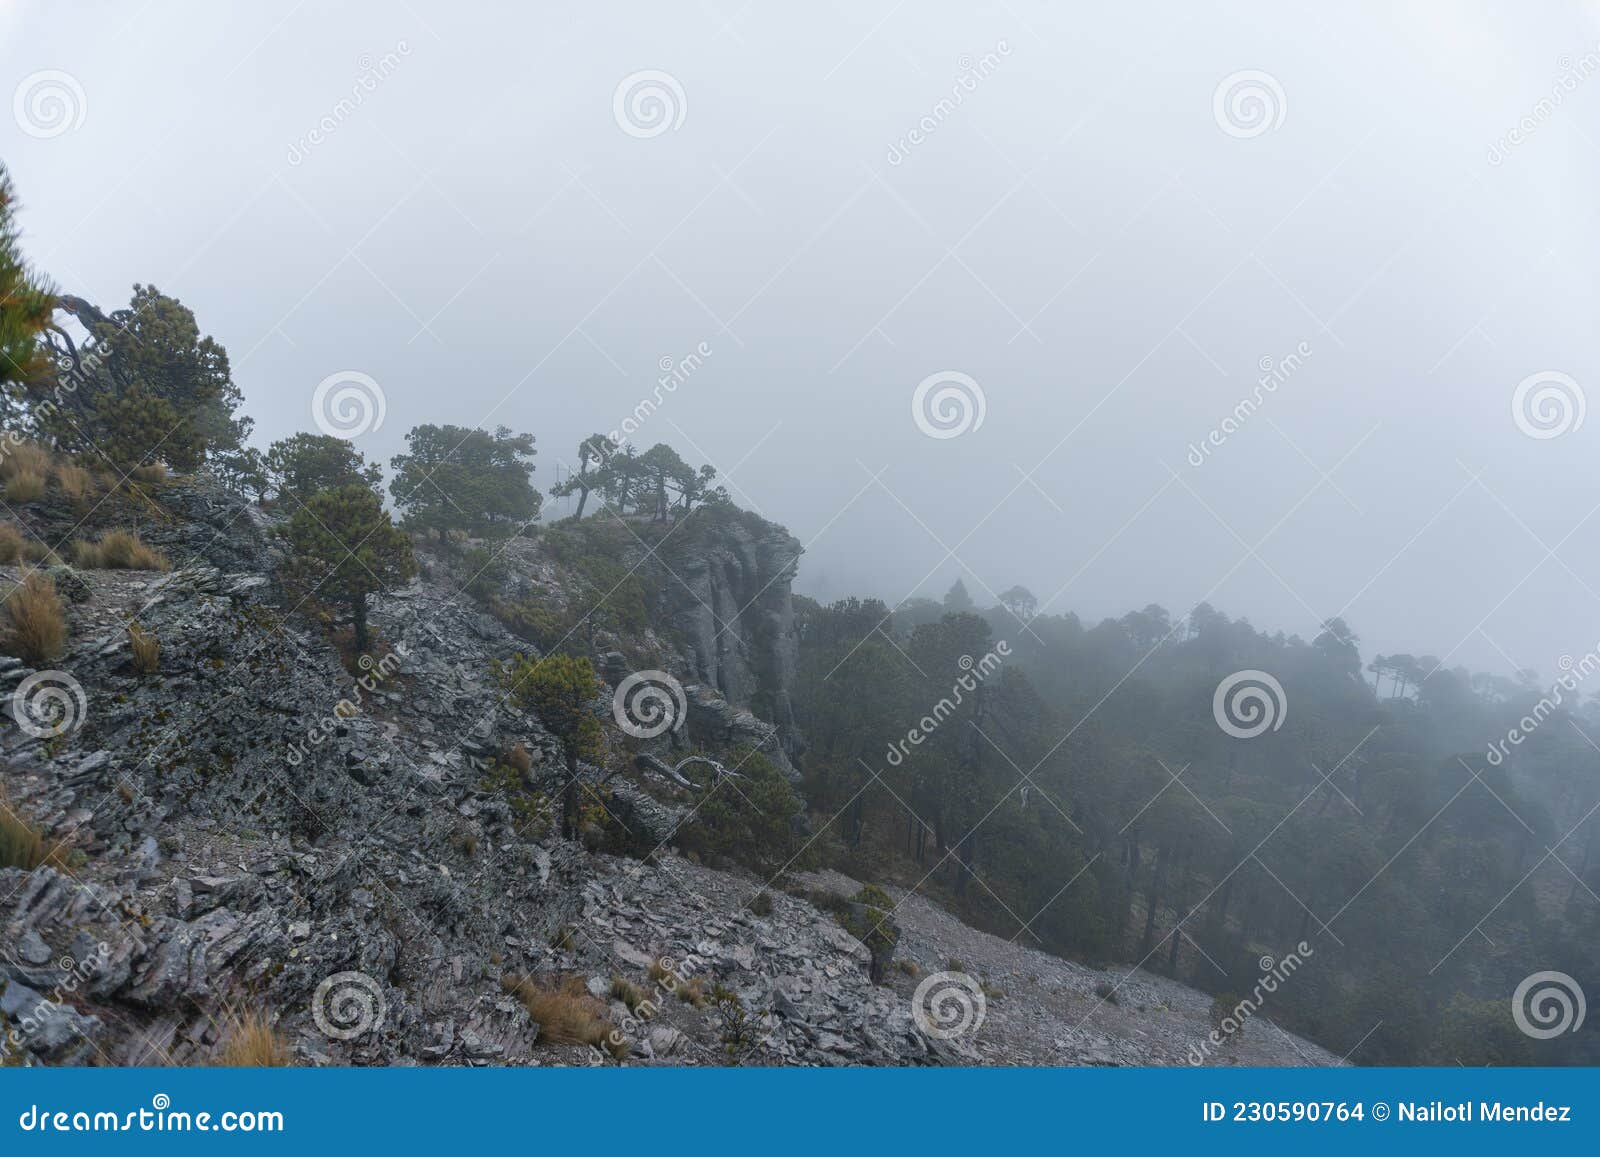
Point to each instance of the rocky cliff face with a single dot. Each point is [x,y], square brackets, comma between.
[730,599]
[255,830]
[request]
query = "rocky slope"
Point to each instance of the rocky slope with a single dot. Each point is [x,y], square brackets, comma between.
[255,830]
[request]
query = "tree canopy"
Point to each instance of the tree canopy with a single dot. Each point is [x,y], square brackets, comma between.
[459,478]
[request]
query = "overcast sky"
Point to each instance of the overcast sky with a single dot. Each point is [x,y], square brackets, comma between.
[1109,225]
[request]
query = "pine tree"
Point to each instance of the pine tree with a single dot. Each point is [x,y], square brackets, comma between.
[464,479]
[303,464]
[560,689]
[26,301]
[346,548]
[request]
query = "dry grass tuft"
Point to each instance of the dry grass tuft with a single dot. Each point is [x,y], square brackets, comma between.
[37,620]
[151,472]
[146,650]
[25,486]
[13,544]
[565,1012]
[693,992]
[634,996]
[23,458]
[118,550]
[253,1044]
[74,481]
[22,845]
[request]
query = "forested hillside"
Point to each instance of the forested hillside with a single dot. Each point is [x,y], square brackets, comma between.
[1085,795]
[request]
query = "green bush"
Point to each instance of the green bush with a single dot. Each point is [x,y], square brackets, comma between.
[749,821]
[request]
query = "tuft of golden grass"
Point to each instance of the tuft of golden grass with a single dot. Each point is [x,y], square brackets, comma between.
[22,845]
[74,480]
[37,619]
[253,1044]
[146,650]
[23,458]
[118,550]
[13,544]
[635,996]
[693,992]
[25,486]
[151,472]
[565,1012]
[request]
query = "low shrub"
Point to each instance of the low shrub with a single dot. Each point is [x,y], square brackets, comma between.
[875,897]
[1223,1012]
[761,904]
[738,1028]
[754,826]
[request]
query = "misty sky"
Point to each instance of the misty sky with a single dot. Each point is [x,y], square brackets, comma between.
[1107,251]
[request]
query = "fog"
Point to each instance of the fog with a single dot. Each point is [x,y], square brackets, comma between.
[843,201]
